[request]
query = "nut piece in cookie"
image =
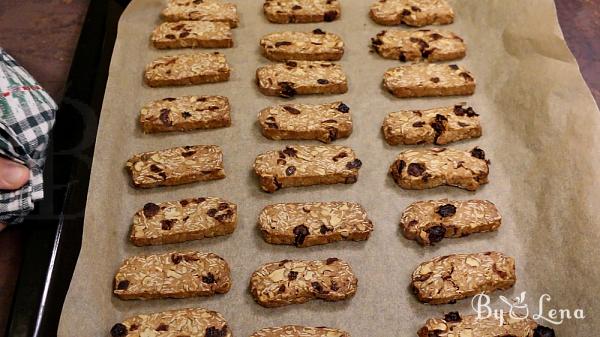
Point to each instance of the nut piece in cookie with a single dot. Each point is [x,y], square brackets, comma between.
[314,223]
[192,34]
[304,165]
[183,220]
[299,331]
[187,69]
[176,166]
[428,222]
[184,322]
[416,13]
[427,79]
[433,126]
[185,113]
[424,44]
[301,78]
[172,275]
[302,11]
[201,10]
[458,325]
[308,46]
[447,279]
[292,282]
[428,168]
[324,122]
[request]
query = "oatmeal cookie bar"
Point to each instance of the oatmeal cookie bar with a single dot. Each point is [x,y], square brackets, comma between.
[447,279]
[299,331]
[324,122]
[429,168]
[292,282]
[172,275]
[304,165]
[301,78]
[414,45]
[176,166]
[191,322]
[192,34]
[415,13]
[428,79]
[314,223]
[185,113]
[202,10]
[187,69]
[183,220]
[455,325]
[309,46]
[301,11]
[433,126]
[430,221]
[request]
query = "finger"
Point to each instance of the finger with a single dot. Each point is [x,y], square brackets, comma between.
[12,175]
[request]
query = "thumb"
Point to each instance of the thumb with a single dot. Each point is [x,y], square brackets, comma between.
[12,175]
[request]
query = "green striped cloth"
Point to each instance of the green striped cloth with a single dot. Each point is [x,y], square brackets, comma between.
[26,117]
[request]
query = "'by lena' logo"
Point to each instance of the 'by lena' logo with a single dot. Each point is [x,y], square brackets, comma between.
[517,309]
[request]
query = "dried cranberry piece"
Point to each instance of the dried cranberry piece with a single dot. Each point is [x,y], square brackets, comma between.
[184,34]
[166,224]
[418,124]
[446,210]
[151,209]
[343,108]
[118,330]
[291,110]
[466,76]
[296,7]
[317,287]
[164,117]
[324,229]
[214,332]
[300,232]
[212,212]
[453,67]
[478,153]
[290,170]
[401,166]
[282,43]
[123,285]
[292,275]
[169,99]
[209,278]
[290,151]
[542,331]
[330,16]
[435,36]
[318,31]
[415,8]
[340,156]
[406,12]
[188,154]
[170,36]
[322,81]
[452,316]
[186,114]
[436,233]
[331,260]
[223,206]
[355,164]
[435,79]
[162,327]
[286,90]
[375,42]
[416,169]
[176,258]
[402,57]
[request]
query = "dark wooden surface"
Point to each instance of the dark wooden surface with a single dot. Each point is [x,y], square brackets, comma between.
[42,35]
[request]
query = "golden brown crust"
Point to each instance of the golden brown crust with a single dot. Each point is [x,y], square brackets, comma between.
[454,324]
[192,34]
[308,46]
[202,10]
[415,45]
[299,331]
[187,69]
[301,78]
[415,13]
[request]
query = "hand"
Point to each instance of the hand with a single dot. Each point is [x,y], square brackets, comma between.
[12,177]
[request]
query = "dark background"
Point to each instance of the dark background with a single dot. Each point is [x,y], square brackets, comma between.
[43,36]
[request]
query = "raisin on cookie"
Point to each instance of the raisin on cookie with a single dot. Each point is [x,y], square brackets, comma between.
[288,282]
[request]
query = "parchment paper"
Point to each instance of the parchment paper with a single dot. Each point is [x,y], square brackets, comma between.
[541,132]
